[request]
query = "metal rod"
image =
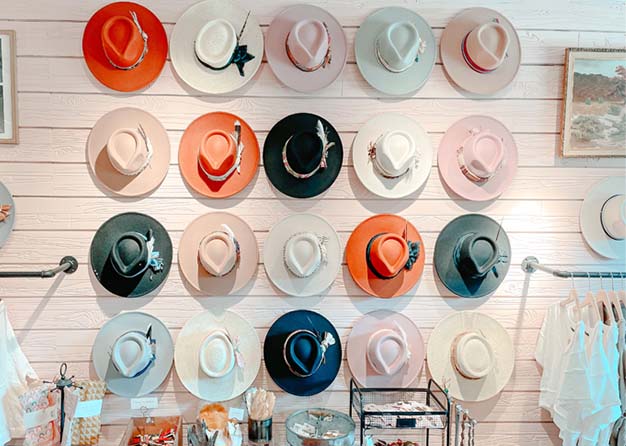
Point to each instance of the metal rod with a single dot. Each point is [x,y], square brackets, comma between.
[531,264]
[68,265]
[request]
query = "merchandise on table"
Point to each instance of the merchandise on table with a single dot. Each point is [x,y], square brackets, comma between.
[41,408]
[319,427]
[260,404]
[153,431]
[83,408]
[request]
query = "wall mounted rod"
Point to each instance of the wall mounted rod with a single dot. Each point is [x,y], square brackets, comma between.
[67,265]
[531,264]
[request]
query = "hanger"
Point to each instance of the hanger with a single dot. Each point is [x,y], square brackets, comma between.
[622,295]
[603,299]
[615,305]
[590,300]
[573,297]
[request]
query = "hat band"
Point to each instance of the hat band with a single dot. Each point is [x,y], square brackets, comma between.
[152,343]
[325,61]
[371,152]
[155,262]
[236,165]
[326,340]
[467,172]
[144,36]
[149,153]
[322,134]
[384,63]
[414,252]
[469,61]
[602,221]
[231,235]
[321,244]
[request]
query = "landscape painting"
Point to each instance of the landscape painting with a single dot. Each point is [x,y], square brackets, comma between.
[594,109]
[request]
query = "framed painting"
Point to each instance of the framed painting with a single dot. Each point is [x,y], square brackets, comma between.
[8,89]
[594,103]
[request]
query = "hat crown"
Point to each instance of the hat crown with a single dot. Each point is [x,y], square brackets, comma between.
[122,41]
[483,153]
[472,355]
[304,152]
[395,152]
[304,353]
[218,152]
[487,44]
[476,254]
[387,351]
[217,354]
[308,43]
[215,43]
[127,151]
[398,46]
[303,254]
[218,253]
[613,217]
[388,254]
[129,254]
[131,353]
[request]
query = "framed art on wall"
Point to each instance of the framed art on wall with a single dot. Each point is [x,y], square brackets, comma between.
[8,90]
[594,103]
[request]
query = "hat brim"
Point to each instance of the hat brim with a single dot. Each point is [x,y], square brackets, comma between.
[450,170]
[357,261]
[456,66]
[446,269]
[183,56]
[274,261]
[190,147]
[273,157]
[273,353]
[192,269]
[276,51]
[441,367]
[158,371]
[590,218]
[365,169]
[374,72]
[356,350]
[6,227]
[128,185]
[101,246]
[150,67]
[189,342]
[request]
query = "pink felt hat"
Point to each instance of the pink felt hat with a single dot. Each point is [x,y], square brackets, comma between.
[385,349]
[477,158]
[306,48]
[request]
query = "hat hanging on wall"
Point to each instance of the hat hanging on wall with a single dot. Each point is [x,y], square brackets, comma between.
[7,214]
[131,254]
[129,151]
[392,155]
[306,48]
[477,158]
[472,354]
[125,46]
[472,255]
[218,253]
[481,51]
[603,217]
[385,255]
[302,155]
[385,349]
[302,352]
[302,255]
[217,356]
[133,353]
[218,155]
[395,50]
[216,46]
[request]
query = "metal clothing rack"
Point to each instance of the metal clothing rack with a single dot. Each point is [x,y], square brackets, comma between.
[531,264]
[68,265]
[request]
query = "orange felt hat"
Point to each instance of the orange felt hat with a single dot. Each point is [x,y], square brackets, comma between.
[125,46]
[211,161]
[385,255]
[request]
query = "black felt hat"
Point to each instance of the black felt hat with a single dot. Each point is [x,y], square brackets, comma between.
[131,254]
[302,155]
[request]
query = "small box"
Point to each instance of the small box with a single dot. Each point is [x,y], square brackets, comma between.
[153,426]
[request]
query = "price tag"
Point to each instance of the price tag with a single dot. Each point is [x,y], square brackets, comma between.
[148,403]
[235,413]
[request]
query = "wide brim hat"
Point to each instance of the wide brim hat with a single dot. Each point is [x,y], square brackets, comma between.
[367,172]
[274,261]
[450,276]
[450,170]
[276,52]
[188,345]
[443,370]
[275,170]
[152,175]
[356,258]
[356,350]
[374,72]
[6,226]
[591,222]
[105,340]
[454,62]
[184,34]
[105,238]
[190,146]
[192,269]
[150,67]
[275,363]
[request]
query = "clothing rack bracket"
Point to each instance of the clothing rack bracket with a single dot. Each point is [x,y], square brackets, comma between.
[67,265]
[531,264]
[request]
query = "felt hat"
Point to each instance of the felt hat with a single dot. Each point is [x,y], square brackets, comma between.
[472,255]
[395,50]
[125,46]
[216,46]
[385,255]
[218,155]
[306,48]
[603,217]
[392,155]
[129,151]
[7,214]
[133,353]
[302,255]
[302,155]
[472,355]
[481,51]
[385,349]
[131,254]
[218,253]
[477,158]
[217,356]
[302,352]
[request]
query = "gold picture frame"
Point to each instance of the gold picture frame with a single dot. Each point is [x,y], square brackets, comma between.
[8,88]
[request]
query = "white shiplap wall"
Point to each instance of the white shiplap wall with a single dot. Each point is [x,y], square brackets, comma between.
[59,206]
